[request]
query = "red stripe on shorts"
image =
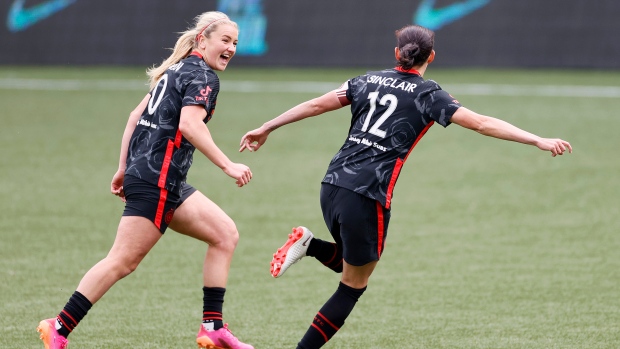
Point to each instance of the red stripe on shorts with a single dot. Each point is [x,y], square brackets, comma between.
[380,229]
[163,195]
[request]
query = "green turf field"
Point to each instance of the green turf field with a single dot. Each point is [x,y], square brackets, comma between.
[491,244]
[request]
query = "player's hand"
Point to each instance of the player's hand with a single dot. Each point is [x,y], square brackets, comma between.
[555,145]
[254,139]
[116,187]
[240,172]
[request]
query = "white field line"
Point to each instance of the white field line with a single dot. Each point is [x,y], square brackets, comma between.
[313,87]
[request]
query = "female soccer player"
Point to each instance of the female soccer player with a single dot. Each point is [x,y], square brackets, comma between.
[391,111]
[156,152]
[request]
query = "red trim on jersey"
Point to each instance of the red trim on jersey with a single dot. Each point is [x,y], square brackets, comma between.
[197,54]
[410,71]
[399,165]
[419,138]
[163,196]
[380,228]
[165,166]
[162,177]
[177,139]
[395,172]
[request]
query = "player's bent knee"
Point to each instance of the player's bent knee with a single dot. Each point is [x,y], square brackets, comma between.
[230,237]
[122,269]
[229,231]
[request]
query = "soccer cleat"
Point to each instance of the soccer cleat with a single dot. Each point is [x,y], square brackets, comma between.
[292,251]
[50,336]
[219,339]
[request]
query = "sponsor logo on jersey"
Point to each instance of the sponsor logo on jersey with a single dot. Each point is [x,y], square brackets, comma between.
[147,123]
[364,141]
[204,94]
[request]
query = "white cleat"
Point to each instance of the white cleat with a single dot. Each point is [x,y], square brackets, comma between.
[292,251]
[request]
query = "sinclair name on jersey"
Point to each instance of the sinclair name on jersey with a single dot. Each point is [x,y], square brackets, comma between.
[392,82]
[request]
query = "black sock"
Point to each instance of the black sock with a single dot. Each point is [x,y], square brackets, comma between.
[73,312]
[327,253]
[331,317]
[213,301]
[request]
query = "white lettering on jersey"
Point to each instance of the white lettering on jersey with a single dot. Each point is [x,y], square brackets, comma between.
[146,123]
[355,139]
[391,82]
[364,141]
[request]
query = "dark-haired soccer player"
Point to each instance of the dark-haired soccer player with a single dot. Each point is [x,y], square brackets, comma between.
[391,111]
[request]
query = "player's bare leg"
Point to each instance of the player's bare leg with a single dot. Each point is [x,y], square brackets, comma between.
[202,219]
[135,237]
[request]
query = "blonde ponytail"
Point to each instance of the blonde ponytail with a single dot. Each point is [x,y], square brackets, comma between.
[204,24]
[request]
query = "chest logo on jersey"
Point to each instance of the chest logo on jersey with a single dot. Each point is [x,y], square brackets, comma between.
[204,94]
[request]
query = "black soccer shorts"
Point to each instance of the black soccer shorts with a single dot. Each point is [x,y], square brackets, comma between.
[146,200]
[357,223]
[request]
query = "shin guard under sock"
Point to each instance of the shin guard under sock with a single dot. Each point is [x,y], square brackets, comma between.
[213,301]
[327,253]
[331,317]
[73,312]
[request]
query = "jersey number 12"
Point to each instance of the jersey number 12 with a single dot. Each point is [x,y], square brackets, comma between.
[387,99]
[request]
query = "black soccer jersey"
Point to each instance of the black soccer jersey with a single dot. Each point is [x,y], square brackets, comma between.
[391,111]
[158,152]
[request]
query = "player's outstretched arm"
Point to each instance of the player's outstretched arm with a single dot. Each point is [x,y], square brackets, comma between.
[497,128]
[254,139]
[196,132]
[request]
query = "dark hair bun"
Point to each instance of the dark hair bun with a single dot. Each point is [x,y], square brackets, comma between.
[415,44]
[408,53]
[410,50]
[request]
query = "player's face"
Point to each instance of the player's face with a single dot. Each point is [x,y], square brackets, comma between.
[221,46]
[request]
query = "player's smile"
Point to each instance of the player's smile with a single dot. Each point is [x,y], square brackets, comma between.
[225,57]
[221,46]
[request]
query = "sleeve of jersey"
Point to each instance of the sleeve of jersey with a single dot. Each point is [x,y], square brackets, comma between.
[344,94]
[202,89]
[442,106]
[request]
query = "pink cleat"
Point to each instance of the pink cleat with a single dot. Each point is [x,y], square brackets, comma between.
[49,335]
[219,339]
[292,251]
